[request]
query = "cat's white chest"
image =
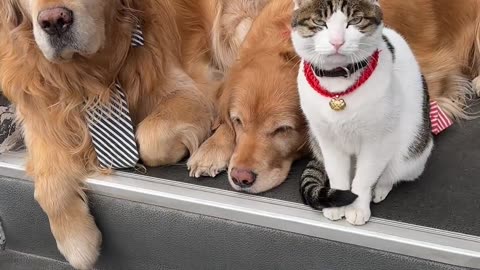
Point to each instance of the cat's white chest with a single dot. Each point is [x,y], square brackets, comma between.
[364,112]
[322,118]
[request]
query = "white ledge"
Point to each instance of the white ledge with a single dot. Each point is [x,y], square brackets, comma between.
[391,236]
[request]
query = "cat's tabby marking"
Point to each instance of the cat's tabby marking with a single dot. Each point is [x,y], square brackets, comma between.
[316,191]
[313,15]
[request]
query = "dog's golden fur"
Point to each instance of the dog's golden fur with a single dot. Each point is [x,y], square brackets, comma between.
[443,34]
[215,31]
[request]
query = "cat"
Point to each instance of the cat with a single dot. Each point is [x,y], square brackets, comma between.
[364,96]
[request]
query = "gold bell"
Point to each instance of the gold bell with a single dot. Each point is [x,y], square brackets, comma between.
[337,104]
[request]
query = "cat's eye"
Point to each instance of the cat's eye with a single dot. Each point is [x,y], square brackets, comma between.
[355,21]
[319,22]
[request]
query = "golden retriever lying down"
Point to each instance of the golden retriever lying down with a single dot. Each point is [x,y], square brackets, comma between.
[261,121]
[262,129]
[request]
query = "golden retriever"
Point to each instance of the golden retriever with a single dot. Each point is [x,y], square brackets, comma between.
[262,128]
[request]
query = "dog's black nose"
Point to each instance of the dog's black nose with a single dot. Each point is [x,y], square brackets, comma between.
[55,21]
[242,177]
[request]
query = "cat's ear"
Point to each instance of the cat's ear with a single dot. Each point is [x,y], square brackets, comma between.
[375,2]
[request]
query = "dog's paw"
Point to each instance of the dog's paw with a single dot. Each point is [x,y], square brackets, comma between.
[476,85]
[199,167]
[380,192]
[209,160]
[334,213]
[357,214]
[80,244]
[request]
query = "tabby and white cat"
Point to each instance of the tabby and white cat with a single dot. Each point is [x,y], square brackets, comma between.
[364,96]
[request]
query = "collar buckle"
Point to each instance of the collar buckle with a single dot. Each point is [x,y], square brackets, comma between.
[347,72]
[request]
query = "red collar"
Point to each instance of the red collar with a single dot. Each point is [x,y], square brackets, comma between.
[315,83]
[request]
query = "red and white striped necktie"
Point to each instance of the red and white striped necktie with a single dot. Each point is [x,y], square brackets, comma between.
[440,121]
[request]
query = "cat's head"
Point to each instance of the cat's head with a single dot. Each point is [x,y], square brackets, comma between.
[332,33]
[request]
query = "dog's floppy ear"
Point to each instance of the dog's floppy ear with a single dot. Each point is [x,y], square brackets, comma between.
[10,13]
[286,50]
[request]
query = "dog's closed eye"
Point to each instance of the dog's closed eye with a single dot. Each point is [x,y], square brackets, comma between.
[282,130]
[236,121]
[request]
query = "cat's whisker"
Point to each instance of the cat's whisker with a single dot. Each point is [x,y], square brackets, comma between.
[364,60]
[354,60]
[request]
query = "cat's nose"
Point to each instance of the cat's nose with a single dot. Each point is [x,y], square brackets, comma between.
[337,44]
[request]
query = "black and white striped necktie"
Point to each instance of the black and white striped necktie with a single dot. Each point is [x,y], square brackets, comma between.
[137,37]
[111,127]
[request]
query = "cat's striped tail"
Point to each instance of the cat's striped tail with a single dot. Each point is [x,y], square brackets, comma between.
[316,191]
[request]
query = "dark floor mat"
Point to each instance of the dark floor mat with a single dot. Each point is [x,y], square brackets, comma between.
[11,260]
[446,197]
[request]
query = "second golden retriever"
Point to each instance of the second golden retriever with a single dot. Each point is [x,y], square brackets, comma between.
[262,130]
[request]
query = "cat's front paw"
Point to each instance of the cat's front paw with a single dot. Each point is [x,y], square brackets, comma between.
[334,213]
[357,214]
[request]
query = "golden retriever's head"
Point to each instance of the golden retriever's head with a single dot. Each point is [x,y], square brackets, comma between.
[62,28]
[263,108]
[269,126]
